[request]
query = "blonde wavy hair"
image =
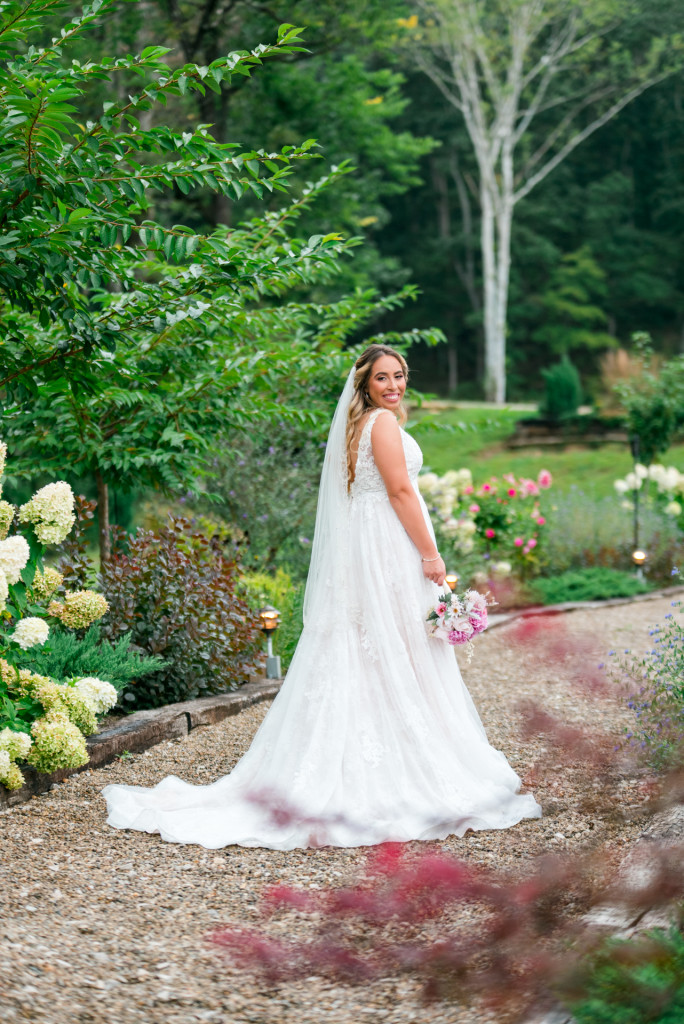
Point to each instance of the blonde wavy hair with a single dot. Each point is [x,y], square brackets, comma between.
[360,403]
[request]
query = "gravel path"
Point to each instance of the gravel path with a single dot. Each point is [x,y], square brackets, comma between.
[104,926]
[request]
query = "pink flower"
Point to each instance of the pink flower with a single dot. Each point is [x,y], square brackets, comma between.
[544,479]
[509,477]
[474,508]
[530,487]
[532,543]
[489,533]
[441,608]
[486,488]
[518,542]
[511,492]
[469,489]
[541,521]
[479,620]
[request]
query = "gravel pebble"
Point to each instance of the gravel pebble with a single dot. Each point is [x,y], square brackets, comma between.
[103,926]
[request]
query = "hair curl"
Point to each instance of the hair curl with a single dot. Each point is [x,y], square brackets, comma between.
[360,403]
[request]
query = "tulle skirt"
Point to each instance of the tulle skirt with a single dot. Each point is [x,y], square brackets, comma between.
[373,736]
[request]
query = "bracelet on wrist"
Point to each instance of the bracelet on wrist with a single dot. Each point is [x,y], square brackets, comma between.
[431,559]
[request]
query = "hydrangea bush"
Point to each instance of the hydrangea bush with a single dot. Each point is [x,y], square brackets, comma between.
[42,722]
[494,530]
[662,486]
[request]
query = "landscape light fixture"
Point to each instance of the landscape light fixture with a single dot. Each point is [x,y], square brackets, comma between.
[451,579]
[269,620]
[639,557]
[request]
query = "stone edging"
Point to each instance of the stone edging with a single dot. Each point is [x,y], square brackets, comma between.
[144,729]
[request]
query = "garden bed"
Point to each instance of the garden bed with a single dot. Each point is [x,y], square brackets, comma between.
[144,729]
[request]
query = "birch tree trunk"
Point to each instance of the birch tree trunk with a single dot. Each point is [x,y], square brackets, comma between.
[498,63]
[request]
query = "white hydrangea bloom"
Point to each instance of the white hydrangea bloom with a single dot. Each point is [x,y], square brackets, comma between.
[51,511]
[100,694]
[3,456]
[633,481]
[502,569]
[14,554]
[4,590]
[641,471]
[6,517]
[16,744]
[673,508]
[30,632]
[427,482]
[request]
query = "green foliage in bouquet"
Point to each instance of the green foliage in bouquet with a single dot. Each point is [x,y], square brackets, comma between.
[175,591]
[595,583]
[72,654]
[631,981]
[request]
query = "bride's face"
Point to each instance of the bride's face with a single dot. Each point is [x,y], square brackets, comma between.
[387,383]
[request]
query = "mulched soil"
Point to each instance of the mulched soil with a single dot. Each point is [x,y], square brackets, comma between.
[104,926]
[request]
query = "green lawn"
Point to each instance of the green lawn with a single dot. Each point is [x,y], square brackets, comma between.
[476,441]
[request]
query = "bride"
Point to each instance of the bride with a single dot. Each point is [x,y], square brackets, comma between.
[373,736]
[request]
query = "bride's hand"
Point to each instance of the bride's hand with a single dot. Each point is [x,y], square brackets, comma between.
[435,571]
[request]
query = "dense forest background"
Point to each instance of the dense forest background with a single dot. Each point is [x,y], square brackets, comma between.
[598,246]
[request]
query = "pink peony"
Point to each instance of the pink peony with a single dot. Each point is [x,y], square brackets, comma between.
[474,508]
[461,633]
[469,489]
[541,521]
[544,479]
[518,542]
[530,487]
[532,543]
[511,492]
[479,620]
[489,533]
[486,488]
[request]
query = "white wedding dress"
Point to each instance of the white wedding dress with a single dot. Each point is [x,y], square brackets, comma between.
[373,736]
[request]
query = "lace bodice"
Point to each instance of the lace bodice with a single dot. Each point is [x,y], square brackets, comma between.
[367,477]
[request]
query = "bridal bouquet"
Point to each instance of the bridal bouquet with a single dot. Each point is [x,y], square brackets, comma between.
[457,618]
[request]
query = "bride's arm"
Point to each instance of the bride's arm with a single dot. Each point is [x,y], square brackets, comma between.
[388,453]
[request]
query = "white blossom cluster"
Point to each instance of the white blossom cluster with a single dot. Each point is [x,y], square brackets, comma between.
[14,554]
[4,590]
[45,583]
[30,632]
[667,479]
[6,517]
[51,512]
[3,457]
[79,609]
[13,746]
[443,492]
[100,694]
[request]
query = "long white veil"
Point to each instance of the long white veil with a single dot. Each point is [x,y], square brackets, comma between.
[325,581]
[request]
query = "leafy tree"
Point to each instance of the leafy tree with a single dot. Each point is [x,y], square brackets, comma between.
[571,318]
[141,343]
[498,64]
